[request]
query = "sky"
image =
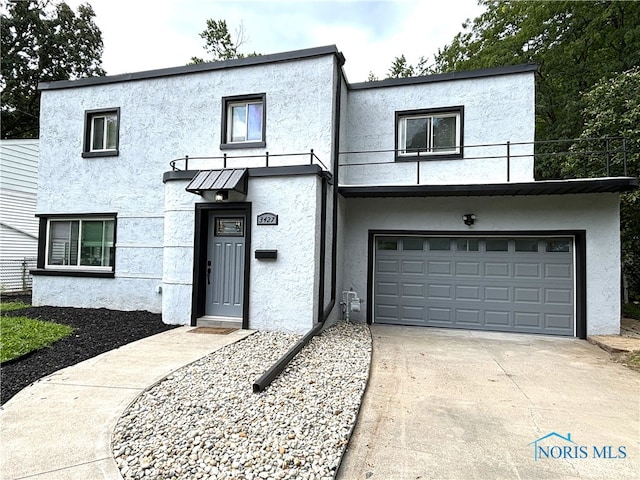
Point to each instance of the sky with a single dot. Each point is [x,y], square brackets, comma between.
[150,34]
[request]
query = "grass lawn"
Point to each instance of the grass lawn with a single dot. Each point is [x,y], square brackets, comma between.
[21,335]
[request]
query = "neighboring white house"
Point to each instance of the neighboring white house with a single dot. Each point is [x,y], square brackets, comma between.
[18,224]
[254,192]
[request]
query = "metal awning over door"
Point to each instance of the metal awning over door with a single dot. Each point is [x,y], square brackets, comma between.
[515,284]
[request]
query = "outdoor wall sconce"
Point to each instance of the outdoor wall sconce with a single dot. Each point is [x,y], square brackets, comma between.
[222,195]
[469,219]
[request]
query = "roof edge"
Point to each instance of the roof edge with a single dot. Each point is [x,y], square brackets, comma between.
[198,68]
[443,77]
[549,187]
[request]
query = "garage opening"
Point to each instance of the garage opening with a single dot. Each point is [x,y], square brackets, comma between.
[508,283]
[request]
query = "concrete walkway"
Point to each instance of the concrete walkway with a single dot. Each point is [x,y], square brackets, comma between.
[456,404]
[60,427]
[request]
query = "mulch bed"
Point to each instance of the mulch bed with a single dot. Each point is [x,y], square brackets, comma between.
[96,330]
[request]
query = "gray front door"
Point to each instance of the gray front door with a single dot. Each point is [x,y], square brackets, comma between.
[225,264]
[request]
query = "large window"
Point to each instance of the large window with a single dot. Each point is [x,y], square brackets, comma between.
[86,243]
[429,133]
[243,121]
[101,132]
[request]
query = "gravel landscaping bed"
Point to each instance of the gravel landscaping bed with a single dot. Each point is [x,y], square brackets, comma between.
[95,331]
[205,422]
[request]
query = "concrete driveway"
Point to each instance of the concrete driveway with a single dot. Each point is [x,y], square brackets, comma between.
[457,404]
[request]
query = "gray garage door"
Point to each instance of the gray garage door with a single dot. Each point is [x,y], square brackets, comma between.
[505,284]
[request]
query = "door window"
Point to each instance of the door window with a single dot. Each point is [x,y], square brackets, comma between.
[229,227]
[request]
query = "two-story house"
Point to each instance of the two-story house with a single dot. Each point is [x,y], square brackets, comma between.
[253,192]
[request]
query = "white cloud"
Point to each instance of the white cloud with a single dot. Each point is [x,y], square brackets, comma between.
[143,35]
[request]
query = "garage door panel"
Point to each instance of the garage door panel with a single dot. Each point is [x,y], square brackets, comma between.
[387,289]
[558,322]
[440,268]
[497,294]
[554,270]
[468,269]
[467,292]
[413,267]
[439,316]
[558,296]
[412,290]
[496,269]
[496,318]
[527,270]
[468,317]
[527,295]
[528,320]
[521,287]
[439,292]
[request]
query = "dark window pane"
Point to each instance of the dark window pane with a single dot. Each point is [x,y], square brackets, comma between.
[526,245]
[497,244]
[386,244]
[412,244]
[467,245]
[416,131]
[558,245]
[444,134]
[97,142]
[112,132]
[91,246]
[439,244]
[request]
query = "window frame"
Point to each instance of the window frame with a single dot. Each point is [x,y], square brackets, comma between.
[89,116]
[43,265]
[227,122]
[402,115]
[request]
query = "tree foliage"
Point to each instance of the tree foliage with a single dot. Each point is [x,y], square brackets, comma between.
[575,44]
[612,108]
[42,42]
[219,44]
[401,68]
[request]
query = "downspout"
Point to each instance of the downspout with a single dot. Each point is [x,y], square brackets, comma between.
[265,380]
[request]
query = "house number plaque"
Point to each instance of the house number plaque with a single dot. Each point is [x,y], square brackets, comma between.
[267,219]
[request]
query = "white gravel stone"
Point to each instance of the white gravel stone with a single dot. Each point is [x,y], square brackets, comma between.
[204,421]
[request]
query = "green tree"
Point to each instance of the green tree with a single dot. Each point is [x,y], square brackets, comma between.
[42,42]
[401,68]
[612,108]
[219,44]
[575,44]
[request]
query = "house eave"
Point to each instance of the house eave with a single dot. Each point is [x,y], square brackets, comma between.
[549,187]
[198,68]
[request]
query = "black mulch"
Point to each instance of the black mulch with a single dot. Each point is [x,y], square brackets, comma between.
[96,330]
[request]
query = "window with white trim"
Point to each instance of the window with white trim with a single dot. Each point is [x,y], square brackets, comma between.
[101,136]
[429,133]
[243,121]
[83,243]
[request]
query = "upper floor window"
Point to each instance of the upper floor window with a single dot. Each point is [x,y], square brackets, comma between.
[243,121]
[101,132]
[429,133]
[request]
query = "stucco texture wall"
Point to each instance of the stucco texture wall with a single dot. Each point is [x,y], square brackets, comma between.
[496,110]
[596,214]
[162,119]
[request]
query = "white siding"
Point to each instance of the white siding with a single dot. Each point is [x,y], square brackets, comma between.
[18,186]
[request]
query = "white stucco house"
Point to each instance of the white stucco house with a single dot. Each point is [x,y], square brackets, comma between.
[254,192]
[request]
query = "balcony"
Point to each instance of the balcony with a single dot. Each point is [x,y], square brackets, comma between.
[490,164]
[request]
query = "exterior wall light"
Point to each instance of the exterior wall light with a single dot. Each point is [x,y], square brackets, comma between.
[221,195]
[469,219]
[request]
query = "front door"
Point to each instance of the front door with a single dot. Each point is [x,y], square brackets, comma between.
[225,264]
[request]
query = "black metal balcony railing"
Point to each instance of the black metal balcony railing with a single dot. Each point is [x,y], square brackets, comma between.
[559,159]
[240,161]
